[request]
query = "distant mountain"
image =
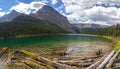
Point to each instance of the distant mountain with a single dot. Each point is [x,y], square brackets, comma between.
[50,14]
[114,30]
[87,27]
[27,25]
[9,17]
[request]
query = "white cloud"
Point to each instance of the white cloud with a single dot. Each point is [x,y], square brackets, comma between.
[109,15]
[104,11]
[1,12]
[43,1]
[28,8]
[54,2]
[0,9]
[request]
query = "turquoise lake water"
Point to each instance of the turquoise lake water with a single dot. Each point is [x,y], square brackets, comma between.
[79,43]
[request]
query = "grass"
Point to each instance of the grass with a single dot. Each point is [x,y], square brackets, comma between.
[116,40]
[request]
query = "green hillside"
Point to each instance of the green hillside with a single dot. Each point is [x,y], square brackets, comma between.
[27,25]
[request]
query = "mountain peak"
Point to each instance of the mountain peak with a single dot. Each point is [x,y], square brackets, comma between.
[47,9]
[9,17]
[14,12]
[53,16]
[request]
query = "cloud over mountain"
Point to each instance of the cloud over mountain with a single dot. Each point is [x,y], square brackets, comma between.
[27,8]
[93,11]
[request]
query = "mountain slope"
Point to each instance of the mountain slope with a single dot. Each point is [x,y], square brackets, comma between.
[48,13]
[9,17]
[27,25]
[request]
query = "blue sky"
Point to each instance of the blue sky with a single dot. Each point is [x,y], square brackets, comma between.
[83,11]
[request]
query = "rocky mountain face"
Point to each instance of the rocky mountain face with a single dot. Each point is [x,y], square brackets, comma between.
[50,14]
[87,27]
[27,25]
[9,17]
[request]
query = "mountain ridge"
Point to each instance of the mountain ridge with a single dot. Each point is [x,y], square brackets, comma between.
[87,28]
[27,25]
[45,13]
[50,14]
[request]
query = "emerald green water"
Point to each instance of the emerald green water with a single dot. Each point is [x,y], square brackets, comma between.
[50,40]
[81,44]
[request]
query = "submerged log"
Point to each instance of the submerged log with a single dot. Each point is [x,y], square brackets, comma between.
[112,59]
[104,63]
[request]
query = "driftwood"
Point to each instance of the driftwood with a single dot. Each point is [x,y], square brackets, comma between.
[77,63]
[94,66]
[81,58]
[74,61]
[97,63]
[112,59]
[104,63]
[85,64]
[3,51]
[30,66]
[46,61]
[52,63]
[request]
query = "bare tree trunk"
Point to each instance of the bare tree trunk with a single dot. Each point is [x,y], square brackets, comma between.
[112,59]
[104,63]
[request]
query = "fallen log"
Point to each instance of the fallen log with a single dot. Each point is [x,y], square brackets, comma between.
[76,63]
[85,64]
[52,63]
[104,63]
[110,63]
[3,51]
[46,61]
[80,58]
[32,65]
[96,64]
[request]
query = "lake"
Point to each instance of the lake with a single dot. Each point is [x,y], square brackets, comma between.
[81,45]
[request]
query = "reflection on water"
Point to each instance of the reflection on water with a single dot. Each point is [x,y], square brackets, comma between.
[80,44]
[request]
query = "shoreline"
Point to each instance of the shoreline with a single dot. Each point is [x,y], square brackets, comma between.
[114,39]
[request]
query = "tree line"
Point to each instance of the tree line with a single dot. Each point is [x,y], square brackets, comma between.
[111,31]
